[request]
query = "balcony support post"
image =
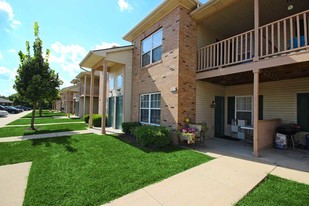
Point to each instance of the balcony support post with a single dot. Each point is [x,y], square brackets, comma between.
[91,98]
[256,30]
[256,113]
[85,94]
[104,96]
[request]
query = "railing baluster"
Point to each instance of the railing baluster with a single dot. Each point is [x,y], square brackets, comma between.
[305,29]
[218,55]
[251,49]
[291,33]
[241,46]
[278,36]
[272,39]
[233,50]
[261,42]
[267,43]
[225,52]
[221,53]
[246,46]
[237,49]
[285,35]
[298,32]
[208,54]
[228,51]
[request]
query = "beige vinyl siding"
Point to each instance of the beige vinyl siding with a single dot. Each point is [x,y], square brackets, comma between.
[280,99]
[205,94]
[206,37]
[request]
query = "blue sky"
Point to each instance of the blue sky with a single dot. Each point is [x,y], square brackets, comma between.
[69,28]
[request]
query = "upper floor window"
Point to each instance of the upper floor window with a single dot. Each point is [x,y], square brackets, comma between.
[119,81]
[111,82]
[152,48]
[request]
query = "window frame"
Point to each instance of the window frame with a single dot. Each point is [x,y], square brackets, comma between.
[241,110]
[149,108]
[152,48]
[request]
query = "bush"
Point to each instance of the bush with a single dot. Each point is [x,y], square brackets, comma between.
[128,127]
[152,136]
[96,120]
[86,118]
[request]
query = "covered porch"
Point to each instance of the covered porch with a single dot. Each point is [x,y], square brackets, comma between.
[264,98]
[115,68]
[69,97]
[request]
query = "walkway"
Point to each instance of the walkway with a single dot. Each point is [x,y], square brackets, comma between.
[223,181]
[13,183]
[25,125]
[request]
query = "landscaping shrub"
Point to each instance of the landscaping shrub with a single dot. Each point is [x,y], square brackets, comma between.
[152,136]
[96,120]
[128,127]
[86,118]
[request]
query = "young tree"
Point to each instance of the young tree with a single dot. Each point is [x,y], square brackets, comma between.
[33,80]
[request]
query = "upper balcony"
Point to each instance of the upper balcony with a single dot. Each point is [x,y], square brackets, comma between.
[227,37]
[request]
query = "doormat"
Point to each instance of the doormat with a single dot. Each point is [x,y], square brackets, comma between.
[229,138]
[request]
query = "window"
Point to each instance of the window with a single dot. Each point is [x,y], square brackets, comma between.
[243,109]
[119,81]
[150,108]
[111,82]
[152,48]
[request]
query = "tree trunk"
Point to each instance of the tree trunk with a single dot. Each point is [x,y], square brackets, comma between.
[40,108]
[33,116]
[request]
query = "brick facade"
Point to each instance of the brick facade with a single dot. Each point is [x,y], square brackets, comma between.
[174,70]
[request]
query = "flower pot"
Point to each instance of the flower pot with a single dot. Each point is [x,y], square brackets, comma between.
[189,137]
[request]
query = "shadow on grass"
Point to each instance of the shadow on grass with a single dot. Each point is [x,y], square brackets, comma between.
[45,131]
[66,142]
[132,141]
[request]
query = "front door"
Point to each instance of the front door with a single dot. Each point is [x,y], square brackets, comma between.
[219,116]
[303,111]
[119,111]
[111,111]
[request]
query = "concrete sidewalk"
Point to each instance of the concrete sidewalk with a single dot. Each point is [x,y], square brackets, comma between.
[13,183]
[25,125]
[12,117]
[42,136]
[223,181]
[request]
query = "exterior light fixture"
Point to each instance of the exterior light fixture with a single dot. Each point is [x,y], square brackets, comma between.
[213,104]
[290,7]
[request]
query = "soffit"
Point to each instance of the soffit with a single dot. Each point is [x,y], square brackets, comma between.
[156,15]
[232,17]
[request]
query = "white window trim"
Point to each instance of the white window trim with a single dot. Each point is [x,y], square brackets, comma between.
[149,108]
[151,36]
[236,110]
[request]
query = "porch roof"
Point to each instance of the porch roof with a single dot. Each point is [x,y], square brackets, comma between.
[289,71]
[73,88]
[94,57]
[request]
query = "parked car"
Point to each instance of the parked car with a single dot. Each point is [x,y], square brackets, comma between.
[2,108]
[23,107]
[3,113]
[12,110]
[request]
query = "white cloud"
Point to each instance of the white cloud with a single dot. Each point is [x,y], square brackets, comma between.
[124,5]
[105,45]
[67,56]
[12,51]
[7,74]
[6,7]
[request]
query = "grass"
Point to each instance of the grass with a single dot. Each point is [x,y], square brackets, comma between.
[92,169]
[20,131]
[277,191]
[45,120]
[45,113]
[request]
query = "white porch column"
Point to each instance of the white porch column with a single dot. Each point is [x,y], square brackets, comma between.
[91,98]
[69,104]
[104,90]
[85,94]
[256,30]
[256,113]
[66,103]
[73,105]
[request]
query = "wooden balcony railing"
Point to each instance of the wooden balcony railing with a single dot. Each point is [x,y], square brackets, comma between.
[277,38]
[95,93]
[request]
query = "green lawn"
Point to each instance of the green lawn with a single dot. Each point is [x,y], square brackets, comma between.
[19,131]
[92,169]
[44,120]
[45,113]
[277,191]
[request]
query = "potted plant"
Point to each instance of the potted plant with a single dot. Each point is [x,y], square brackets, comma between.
[188,134]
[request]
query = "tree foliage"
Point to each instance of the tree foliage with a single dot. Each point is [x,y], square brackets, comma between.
[35,80]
